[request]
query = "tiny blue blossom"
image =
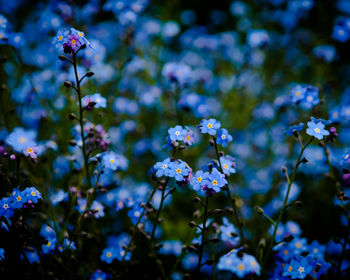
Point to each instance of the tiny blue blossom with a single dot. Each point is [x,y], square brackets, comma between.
[209,126]
[316,129]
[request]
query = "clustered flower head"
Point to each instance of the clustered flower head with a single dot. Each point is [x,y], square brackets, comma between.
[70,40]
[19,199]
[177,169]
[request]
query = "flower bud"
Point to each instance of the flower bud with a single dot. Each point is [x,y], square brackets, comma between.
[67,84]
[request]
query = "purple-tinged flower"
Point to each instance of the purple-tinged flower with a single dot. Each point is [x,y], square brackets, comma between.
[31,152]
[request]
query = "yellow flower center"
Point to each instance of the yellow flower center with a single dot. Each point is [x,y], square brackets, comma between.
[60,38]
[22,140]
[298,245]
[199,179]
[298,93]
[30,150]
[317,130]
[290,268]
[209,125]
[241,266]
[285,252]
[111,160]
[18,198]
[80,34]
[188,138]
[73,42]
[214,182]
[109,254]
[48,244]
[225,166]
[33,193]
[178,170]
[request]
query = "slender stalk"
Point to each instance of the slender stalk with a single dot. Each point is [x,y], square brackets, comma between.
[158,214]
[138,221]
[201,248]
[85,155]
[290,182]
[232,200]
[338,190]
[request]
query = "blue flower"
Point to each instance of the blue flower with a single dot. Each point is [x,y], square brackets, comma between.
[229,233]
[32,194]
[60,38]
[240,266]
[228,164]
[298,93]
[340,33]
[110,160]
[108,255]
[99,275]
[316,249]
[209,126]
[316,129]
[162,168]
[216,180]
[223,137]
[291,129]
[345,161]
[135,213]
[298,268]
[96,98]
[19,139]
[49,246]
[311,97]
[179,169]
[6,207]
[199,180]
[32,256]
[177,133]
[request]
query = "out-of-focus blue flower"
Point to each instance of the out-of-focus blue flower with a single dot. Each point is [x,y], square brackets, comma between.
[171,247]
[96,99]
[228,233]
[240,266]
[228,164]
[258,38]
[19,139]
[291,129]
[325,52]
[99,275]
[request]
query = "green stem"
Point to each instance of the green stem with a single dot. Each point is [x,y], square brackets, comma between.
[290,182]
[232,200]
[203,235]
[138,221]
[81,122]
[158,214]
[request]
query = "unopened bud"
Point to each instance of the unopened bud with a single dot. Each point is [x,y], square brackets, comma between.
[72,116]
[192,224]
[90,74]
[67,84]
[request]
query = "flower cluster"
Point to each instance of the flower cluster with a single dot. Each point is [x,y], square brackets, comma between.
[70,40]
[19,199]
[177,169]
[306,96]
